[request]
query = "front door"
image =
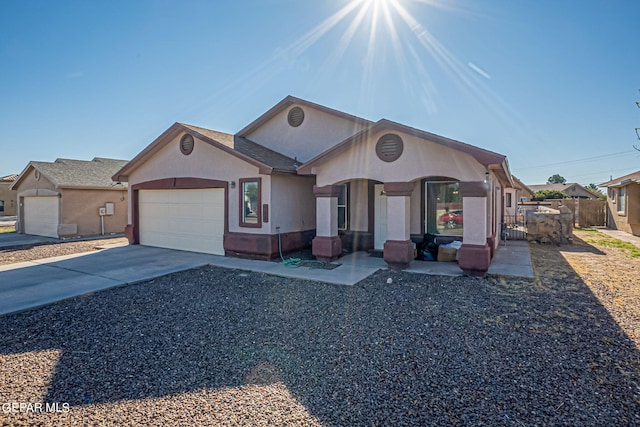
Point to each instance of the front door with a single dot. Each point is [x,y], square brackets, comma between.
[379,217]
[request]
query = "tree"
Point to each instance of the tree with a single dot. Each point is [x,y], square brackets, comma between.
[556,179]
[594,188]
[549,194]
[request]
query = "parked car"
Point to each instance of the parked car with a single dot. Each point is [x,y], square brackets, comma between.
[451,219]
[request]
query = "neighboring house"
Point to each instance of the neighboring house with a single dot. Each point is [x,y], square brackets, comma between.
[519,193]
[8,200]
[623,203]
[572,189]
[65,198]
[303,173]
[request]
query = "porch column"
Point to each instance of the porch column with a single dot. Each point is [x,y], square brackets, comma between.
[398,249]
[474,257]
[326,246]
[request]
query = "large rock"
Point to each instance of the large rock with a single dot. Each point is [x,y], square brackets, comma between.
[547,225]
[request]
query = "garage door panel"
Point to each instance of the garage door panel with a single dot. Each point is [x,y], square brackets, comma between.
[191,220]
[41,216]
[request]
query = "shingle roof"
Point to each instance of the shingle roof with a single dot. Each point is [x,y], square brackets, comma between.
[634,176]
[80,173]
[249,148]
[9,178]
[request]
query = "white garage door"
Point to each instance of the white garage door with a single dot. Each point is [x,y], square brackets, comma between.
[41,216]
[190,220]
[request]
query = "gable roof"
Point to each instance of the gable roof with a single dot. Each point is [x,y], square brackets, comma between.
[484,157]
[71,173]
[519,185]
[265,159]
[563,187]
[291,100]
[623,180]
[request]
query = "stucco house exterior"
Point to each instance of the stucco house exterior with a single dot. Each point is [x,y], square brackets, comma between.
[573,190]
[514,195]
[623,203]
[71,198]
[308,174]
[8,199]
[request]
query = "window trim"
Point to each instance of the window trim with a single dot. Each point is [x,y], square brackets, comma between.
[345,188]
[622,194]
[241,206]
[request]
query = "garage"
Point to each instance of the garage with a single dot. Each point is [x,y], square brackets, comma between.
[41,215]
[190,220]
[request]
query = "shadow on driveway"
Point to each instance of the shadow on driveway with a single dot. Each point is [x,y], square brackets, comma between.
[424,350]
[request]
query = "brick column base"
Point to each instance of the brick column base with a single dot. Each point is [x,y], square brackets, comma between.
[398,254]
[474,260]
[326,248]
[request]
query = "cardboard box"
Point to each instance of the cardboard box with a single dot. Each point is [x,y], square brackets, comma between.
[447,254]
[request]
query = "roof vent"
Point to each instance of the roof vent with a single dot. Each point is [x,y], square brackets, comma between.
[36,175]
[186,144]
[295,117]
[389,147]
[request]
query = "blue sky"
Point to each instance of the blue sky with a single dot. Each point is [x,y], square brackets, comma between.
[552,84]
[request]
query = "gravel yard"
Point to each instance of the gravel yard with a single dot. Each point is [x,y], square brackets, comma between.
[223,347]
[10,256]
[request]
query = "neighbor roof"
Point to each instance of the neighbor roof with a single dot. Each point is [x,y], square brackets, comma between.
[618,182]
[70,173]
[265,159]
[9,178]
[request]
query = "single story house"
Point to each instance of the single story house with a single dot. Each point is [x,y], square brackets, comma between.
[517,194]
[71,198]
[623,203]
[302,174]
[572,189]
[7,196]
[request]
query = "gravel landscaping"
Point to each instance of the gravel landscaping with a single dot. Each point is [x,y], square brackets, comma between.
[222,347]
[30,253]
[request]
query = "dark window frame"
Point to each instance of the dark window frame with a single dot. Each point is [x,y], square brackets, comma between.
[241,204]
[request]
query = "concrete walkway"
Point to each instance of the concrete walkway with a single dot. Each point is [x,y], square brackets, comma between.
[621,235]
[35,283]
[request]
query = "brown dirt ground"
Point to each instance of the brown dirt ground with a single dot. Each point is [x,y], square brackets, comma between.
[612,274]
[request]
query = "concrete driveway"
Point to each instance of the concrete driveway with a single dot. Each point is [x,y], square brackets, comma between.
[35,283]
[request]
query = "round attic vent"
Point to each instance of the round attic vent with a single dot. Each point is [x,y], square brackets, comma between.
[389,147]
[186,144]
[36,175]
[295,117]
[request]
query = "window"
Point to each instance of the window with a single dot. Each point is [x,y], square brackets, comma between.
[1,205]
[443,208]
[621,199]
[250,201]
[508,200]
[342,207]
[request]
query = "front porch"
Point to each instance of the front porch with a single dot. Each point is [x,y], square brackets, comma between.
[398,219]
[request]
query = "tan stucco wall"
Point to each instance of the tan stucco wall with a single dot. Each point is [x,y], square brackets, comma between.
[205,162]
[28,182]
[629,221]
[10,198]
[419,159]
[318,132]
[80,207]
[293,204]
